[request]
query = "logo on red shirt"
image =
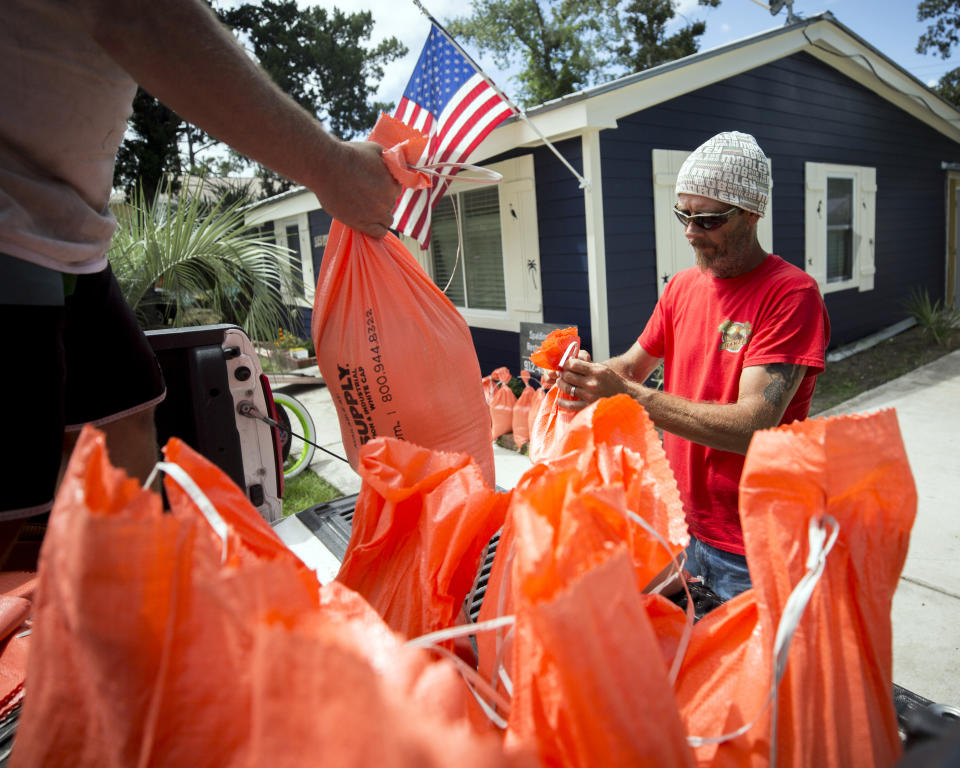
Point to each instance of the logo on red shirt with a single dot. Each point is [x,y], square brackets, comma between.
[734,336]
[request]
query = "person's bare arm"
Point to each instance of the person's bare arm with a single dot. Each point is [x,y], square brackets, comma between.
[179,52]
[764,394]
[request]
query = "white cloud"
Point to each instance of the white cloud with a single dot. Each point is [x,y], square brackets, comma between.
[403,20]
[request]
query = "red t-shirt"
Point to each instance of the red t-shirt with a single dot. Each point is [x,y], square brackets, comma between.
[708,330]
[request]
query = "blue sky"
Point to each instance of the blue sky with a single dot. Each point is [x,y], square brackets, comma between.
[889,25]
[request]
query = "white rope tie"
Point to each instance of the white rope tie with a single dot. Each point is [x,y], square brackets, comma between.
[179,475]
[479,687]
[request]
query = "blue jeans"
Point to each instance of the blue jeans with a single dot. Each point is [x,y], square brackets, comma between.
[725,573]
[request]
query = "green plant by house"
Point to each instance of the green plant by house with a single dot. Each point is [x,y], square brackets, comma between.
[287,340]
[937,320]
[182,261]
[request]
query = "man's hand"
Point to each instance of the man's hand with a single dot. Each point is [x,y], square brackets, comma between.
[358,189]
[550,378]
[587,382]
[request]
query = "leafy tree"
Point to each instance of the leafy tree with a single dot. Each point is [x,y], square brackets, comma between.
[944,32]
[150,150]
[566,45]
[186,262]
[942,35]
[316,56]
[561,43]
[645,43]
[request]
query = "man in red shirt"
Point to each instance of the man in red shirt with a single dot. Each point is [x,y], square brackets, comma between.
[742,336]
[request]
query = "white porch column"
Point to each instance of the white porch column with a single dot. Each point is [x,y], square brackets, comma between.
[596,246]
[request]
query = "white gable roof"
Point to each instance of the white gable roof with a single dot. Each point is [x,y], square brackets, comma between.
[821,36]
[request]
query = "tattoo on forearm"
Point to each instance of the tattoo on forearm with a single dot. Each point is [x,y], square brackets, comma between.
[783,376]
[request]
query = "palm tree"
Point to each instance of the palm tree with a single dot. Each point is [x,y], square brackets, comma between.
[187,262]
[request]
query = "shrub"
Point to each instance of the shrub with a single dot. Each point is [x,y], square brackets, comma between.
[935,318]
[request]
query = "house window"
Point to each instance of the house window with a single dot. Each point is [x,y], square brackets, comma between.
[496,284]
[839,229]
[478,273]
[292,234]
[840,219]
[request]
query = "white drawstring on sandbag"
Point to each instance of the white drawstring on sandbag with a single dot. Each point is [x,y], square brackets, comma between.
[475,682]
[487,176]
[820,545]
[199,498]
[678,569]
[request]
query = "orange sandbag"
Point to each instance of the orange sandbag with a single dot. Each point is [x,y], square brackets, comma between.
[489,387]
[16,607]
[572,514]
[521,412]
[550,425]
[198,639]
[363,697]
[553,349]
[385,336]
[501,404]
[420,526]
[611,449]
[590,686]
[111,685]
[535,402]
[403,146]
[834,702]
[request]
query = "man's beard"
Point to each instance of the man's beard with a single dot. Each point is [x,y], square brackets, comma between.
[726,259]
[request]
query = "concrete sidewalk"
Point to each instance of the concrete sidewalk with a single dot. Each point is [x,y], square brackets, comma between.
[926,607]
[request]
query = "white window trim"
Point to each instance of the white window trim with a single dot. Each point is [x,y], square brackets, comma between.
[306,257]
[520,244]
[864,224]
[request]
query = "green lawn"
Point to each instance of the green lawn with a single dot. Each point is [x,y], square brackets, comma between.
[306,490]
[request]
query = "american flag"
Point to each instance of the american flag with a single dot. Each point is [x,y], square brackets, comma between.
[449,101]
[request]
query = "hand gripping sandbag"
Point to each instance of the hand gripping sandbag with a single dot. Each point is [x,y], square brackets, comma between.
[803,484]
[420,526]
[396,355]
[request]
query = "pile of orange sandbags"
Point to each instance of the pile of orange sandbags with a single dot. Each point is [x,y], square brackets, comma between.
[234,654]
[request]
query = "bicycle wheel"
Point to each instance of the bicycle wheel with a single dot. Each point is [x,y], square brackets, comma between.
[296,424]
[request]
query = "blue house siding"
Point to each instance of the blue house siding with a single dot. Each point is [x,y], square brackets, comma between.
[800,110]
[496,348]
[563,237]
[563,254]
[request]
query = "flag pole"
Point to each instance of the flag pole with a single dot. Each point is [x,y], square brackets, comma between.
[584,184]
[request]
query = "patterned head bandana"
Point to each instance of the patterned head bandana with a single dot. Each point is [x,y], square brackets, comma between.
[730,168]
